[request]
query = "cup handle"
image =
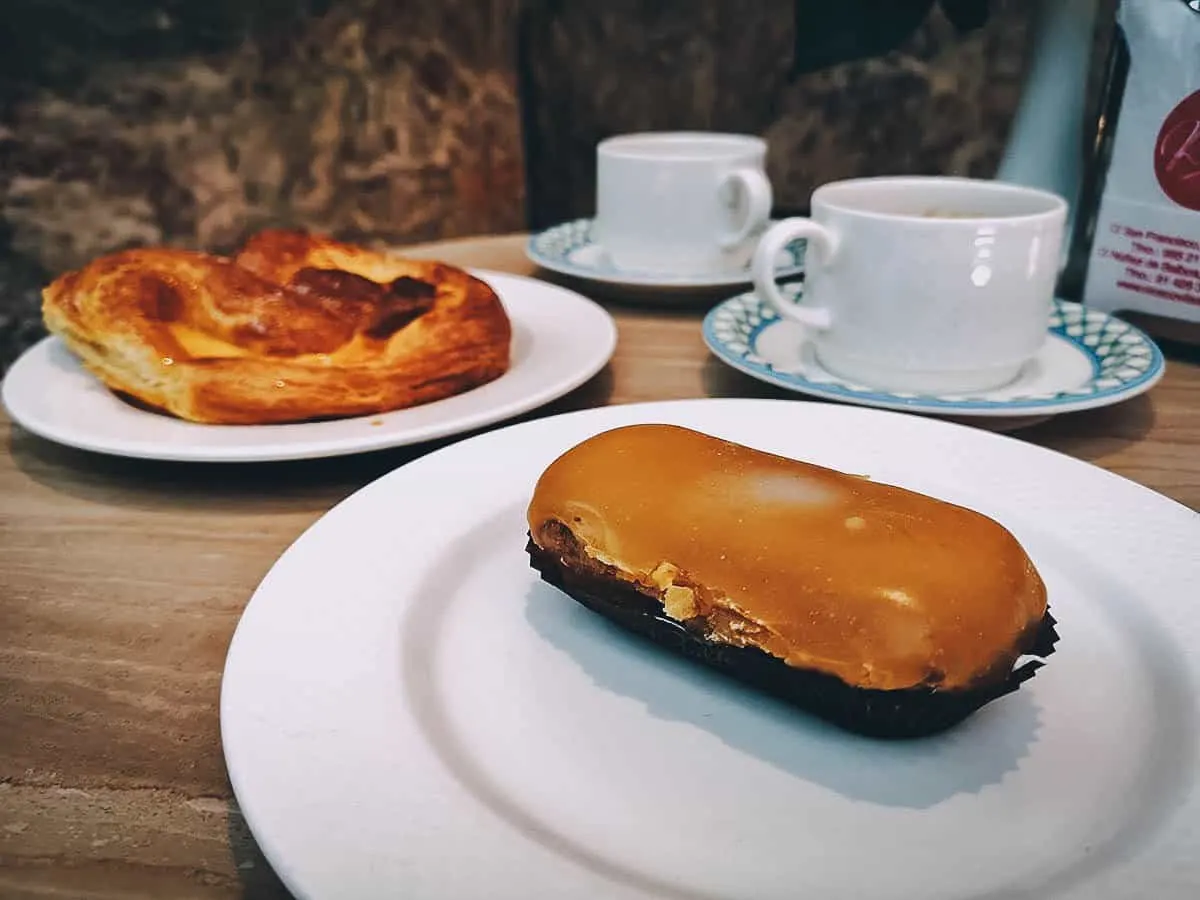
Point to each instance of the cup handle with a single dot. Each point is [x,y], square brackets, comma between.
[762,267]
[757,189]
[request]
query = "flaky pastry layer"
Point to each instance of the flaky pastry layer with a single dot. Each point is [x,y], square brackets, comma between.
[297,327]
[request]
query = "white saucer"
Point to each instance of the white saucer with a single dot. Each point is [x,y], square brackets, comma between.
[560,340]
[569,249]
[407,711]
[1092,359]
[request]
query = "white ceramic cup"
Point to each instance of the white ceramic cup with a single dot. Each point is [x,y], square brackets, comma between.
[926,284]
[681,203]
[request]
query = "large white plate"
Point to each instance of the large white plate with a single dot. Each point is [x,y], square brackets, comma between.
[560,340]
[408,712]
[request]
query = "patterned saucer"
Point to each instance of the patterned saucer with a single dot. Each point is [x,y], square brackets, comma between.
[1092,359]
[568,248]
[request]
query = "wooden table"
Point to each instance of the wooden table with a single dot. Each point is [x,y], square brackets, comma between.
[121,583]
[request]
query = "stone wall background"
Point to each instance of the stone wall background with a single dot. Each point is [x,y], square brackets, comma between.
[127,122]
[371,118]
[940,102]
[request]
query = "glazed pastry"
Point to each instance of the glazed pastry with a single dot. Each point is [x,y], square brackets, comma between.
[297,328]
[885,611]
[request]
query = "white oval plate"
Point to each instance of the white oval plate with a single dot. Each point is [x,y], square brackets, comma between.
[407,711]
[568,248]
[560,340]
[1090,359]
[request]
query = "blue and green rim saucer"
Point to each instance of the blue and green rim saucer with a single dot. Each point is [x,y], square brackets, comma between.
[1092,359]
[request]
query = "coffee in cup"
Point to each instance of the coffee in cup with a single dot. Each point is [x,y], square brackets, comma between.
[922,284]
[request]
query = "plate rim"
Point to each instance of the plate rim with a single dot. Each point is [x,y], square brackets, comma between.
[612,416]
[606,340]
[632,279]
[922,403]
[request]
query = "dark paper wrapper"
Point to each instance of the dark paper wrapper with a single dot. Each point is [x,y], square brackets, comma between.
[907,713]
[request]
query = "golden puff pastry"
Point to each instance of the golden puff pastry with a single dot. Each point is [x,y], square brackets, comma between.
[297,327]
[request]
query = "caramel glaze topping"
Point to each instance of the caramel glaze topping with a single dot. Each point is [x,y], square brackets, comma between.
[880,586]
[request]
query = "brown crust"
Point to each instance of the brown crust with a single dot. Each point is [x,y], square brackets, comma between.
[904,713]
[320,329]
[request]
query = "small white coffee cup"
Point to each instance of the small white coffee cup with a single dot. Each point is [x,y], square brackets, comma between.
[681,203]
[926,284]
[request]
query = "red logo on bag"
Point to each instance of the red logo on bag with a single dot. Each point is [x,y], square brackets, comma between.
[1177,153]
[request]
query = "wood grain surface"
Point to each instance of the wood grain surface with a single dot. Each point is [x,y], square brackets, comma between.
[121,583]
